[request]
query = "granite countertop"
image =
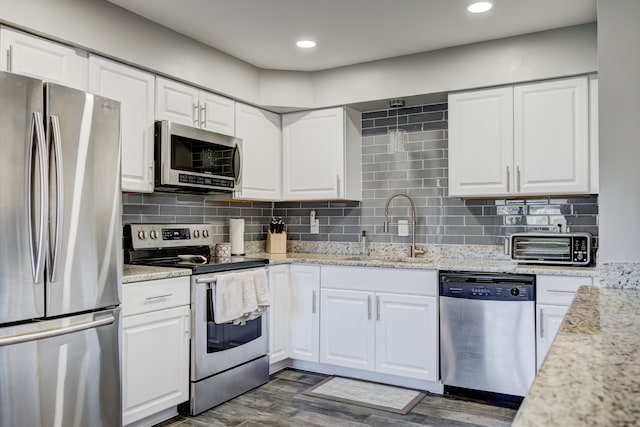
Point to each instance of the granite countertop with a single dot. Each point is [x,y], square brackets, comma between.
[141,273]
[138,273]
[480,265]
[591,376]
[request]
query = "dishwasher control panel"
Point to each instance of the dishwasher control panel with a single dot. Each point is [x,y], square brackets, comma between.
[488,287]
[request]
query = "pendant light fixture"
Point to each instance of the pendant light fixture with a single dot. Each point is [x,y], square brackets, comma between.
[397,136]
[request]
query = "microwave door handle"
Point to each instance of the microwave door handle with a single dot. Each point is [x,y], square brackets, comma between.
[237,163]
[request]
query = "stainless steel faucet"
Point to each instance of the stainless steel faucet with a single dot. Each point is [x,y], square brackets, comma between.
[414,252]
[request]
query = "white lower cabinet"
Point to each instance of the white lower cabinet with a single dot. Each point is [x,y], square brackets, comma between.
[553,298]
[279,292]
[155,348]
[369,323]
[304,312]
[347,329]
[401,348]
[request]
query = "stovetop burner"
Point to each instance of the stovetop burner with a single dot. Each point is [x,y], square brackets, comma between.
[179,246]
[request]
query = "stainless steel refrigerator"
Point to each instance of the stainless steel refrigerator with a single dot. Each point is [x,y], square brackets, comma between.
[60,243]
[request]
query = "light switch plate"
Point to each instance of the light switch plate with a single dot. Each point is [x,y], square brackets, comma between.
[403,227]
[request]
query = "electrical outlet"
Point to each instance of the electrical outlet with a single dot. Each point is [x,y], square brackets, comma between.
[403,227]
[559,222]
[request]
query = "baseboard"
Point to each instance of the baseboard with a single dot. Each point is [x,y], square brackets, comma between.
[156,418]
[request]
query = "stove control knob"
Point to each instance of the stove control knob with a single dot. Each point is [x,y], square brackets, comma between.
[196,233]
[153,234]
[205,233]
[514,292]
[142,234]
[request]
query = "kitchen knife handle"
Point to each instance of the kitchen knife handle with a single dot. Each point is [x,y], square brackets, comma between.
[37,253]
[56,142]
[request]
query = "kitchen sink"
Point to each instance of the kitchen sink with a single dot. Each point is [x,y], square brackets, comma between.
[385,259]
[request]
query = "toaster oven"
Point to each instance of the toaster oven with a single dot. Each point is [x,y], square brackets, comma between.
[551,248]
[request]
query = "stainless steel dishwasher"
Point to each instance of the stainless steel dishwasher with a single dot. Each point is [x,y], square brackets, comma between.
[487,335]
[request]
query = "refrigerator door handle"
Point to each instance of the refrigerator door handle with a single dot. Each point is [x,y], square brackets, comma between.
[56,141]
[37,252]
[36,336]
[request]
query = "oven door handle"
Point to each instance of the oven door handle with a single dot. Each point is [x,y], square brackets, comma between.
[209,281]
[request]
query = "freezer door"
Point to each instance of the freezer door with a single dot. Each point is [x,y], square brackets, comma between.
[22,215]
[62,372]
[83,267]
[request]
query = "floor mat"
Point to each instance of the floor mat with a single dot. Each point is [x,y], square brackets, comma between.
[372,395]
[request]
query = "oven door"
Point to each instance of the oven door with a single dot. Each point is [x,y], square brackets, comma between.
[196,158]
[218,347]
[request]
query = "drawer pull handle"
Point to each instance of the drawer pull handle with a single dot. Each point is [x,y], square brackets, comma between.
[560,291]
[158,297]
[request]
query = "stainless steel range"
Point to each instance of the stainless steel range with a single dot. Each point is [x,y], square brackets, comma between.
[227,359]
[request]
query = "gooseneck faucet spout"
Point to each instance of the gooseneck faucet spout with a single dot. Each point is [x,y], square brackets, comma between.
[413,252]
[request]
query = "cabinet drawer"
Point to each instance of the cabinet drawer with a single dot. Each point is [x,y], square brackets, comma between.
[376,279]
[143,297]
[558,290]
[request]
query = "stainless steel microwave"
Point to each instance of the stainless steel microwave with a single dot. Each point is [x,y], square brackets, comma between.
[551,248]
[192,160]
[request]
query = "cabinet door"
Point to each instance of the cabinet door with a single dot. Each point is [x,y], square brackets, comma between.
[347,329]
[548,321]
[304,320]
[155,362]
[135,91]
[551,134]
[481,142]
[217,113]
[279,291]
[177,102]
[261,153]
[313,154]
[407,336]
[43,59]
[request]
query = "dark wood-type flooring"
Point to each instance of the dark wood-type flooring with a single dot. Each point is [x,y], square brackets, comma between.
[281,403]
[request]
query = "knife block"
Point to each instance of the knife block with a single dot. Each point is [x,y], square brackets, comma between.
[276,242]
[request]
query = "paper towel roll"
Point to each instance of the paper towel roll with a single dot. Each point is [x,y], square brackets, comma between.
[236,235]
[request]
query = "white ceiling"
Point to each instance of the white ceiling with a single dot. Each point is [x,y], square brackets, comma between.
[264,32]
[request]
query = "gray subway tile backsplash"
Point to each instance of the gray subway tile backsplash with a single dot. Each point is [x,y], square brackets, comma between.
[421,172]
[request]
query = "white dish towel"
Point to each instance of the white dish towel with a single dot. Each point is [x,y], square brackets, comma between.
[241,296]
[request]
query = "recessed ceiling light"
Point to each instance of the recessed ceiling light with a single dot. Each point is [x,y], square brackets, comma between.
[479,7]
[306,44]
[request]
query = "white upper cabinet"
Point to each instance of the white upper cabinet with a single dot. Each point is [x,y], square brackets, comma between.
[217,113]
[135,91]
[261,136]
[480,142]
[322,155]
[190,106]
[530,139]
[551,137]
[43,59]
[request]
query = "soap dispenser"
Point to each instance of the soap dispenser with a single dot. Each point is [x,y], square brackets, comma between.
[364,244]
